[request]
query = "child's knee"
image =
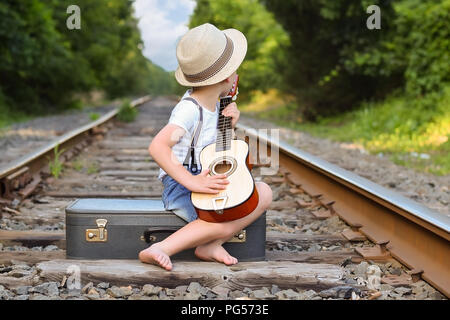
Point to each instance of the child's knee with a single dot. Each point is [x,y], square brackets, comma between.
[220,230]
[265,194]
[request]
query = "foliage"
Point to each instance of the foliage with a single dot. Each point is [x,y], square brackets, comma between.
[127,113]
[33,56]
[94,116]
[396,79]
[77,164]
[418,47]
[55,165]
[413,135]
[264,36]
[93,168]
[322,35]
[6,116]
[44,65]
[338,62]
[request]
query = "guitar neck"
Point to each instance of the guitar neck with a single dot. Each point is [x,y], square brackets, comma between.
[224,129]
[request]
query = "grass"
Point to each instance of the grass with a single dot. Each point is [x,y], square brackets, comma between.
[93,168]
[55,165]
[410,133]
[126,112]
[94,116]
[83,165]
[10,115]
[7,117]
[77,164]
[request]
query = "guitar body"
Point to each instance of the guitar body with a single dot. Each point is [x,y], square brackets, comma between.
[240,197]
[229,157]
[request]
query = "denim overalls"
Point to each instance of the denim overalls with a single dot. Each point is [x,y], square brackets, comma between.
[177,198]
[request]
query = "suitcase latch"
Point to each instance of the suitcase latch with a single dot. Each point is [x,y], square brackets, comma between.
[100,234]
[241,236]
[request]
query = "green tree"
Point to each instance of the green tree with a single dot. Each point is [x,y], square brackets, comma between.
[323,35]
[417,47]
[109,44]
[34,59]
[44,65]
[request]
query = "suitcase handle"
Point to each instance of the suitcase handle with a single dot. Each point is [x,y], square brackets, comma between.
[149,238]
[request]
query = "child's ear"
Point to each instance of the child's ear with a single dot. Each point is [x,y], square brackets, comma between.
[230,78]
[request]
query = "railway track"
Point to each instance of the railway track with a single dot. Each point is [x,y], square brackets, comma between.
[330,234]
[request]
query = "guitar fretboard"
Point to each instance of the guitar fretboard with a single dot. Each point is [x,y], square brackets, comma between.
[224,130]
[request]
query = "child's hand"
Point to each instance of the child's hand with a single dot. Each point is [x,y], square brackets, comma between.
[203,183]
[232,111]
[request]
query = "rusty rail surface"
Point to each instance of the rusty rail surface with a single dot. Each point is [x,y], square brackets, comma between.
[410,232]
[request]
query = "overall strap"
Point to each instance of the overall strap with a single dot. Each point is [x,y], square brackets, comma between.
[191,152]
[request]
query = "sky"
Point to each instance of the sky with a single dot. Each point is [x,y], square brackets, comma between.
[162,23]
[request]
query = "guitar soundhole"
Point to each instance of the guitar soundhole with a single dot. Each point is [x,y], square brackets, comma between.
[222,167]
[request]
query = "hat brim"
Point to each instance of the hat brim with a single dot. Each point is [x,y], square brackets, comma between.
[239,52]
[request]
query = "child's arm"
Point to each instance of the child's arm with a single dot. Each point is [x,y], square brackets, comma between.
[161,151]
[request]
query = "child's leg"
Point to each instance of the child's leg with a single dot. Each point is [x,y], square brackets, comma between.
[200,232]
[213,250]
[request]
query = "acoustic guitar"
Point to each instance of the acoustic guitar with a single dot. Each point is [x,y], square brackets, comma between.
[230,157]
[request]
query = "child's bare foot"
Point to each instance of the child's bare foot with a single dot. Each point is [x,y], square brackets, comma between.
[154,255]
[214,252]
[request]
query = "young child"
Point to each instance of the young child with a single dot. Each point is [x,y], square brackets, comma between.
[208,60]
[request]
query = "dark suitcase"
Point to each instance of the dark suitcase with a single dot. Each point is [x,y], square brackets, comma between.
[121,228]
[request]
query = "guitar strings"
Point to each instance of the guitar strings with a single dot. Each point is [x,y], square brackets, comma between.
[223,127]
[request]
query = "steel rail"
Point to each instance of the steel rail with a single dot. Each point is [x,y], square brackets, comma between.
[37,158]
[418,236]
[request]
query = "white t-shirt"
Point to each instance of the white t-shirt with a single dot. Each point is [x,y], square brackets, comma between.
[186,115]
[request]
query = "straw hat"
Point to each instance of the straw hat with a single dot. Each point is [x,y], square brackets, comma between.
[207,55]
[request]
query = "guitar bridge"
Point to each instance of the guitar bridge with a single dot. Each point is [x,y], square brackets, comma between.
[217,209]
